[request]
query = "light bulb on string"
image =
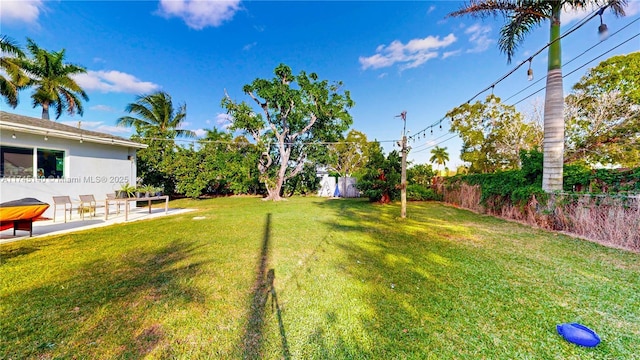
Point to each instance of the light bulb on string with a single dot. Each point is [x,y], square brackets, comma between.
[530,72]
[602,29]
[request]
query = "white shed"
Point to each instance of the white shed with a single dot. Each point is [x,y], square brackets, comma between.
[43,158]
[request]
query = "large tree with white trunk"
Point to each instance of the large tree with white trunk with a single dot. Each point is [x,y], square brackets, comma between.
[296,114]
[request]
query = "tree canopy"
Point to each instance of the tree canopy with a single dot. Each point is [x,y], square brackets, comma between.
[157,124]
[439,155]
[10,55]
[603,114]
[351,154]
[156,116]
[381,179]
[296,113]
[53,81]
[493,134]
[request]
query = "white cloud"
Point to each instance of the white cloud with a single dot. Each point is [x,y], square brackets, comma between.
[224,120]
[447,54]
[249,46]
[412,54]
[98,126]
[200,132]
[114,81]
[431,9]
[110,129]
[569,16]
[633,8]
[104,108]
[26,11]
[479,37]
[198,14]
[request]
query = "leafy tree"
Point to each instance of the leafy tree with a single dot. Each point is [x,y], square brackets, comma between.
[493,134]
[202,171]
[192,173]
[9,87]
[53,81]
[242,174]
[522,16]
[305,182]
[290,120]
[420,174]
[381,179]
[351,154]
[154,163]
[157,125]
[439,156]
[603,114]
[462,169]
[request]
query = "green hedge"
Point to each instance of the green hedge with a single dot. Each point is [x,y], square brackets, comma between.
[516,187]
[417,192]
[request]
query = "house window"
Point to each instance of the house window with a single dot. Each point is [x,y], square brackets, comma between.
[18,162]
[50,163]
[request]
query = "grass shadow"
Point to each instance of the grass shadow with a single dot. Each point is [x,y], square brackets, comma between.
[434,286]
[84,311]
[263,286]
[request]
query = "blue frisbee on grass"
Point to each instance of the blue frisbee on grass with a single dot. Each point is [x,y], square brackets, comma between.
[578,334]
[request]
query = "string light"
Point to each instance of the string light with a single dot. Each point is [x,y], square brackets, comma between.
[602,29]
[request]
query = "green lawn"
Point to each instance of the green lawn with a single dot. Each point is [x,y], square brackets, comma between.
[310,278]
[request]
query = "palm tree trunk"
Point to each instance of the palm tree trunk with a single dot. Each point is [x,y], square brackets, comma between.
[553,144]
[45,111]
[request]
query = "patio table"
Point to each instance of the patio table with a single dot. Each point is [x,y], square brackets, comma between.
[126,202]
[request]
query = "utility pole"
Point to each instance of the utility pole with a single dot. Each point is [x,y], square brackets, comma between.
[403,173]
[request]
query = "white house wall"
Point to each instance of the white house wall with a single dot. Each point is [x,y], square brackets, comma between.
[89,168]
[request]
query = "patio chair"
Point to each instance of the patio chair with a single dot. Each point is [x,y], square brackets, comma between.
[112,196]
[87,204]
[62,201]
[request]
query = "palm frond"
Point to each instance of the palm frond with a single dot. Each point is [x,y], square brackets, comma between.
[9,91]
[157,116]
[617,7]
[486,8]
[514,32]
[8,46]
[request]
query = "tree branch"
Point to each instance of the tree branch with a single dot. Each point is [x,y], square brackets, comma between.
[299,166]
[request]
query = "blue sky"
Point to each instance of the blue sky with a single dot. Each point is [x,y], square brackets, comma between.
[392,56]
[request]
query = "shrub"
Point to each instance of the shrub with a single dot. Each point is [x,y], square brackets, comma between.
[417,192]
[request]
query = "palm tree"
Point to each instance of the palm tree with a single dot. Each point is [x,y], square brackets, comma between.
[53,81]
[522,17]
[9,87]
[439,155]
[157,117]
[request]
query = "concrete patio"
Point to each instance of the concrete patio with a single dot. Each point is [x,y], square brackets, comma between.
[49,227]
